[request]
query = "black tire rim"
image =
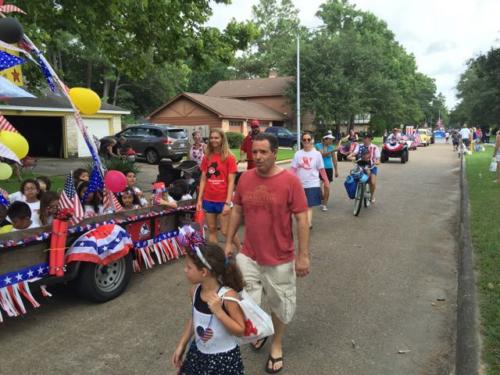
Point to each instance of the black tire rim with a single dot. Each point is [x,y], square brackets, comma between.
[151,156]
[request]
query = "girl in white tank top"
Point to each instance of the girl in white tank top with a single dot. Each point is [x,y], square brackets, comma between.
[214,324]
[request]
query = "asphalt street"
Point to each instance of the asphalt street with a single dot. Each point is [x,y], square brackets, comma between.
[381,297]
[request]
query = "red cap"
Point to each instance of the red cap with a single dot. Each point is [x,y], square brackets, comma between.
[254,123]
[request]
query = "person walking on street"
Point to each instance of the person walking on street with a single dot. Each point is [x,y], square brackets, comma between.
[308,165]
[218,172]
[466,135]
[327,150]
[496,155]
[268,196]
[246,145]
[198,148]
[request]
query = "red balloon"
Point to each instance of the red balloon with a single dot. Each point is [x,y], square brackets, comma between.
[115,181]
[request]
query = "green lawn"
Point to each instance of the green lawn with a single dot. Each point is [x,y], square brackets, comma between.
[12,185]
[484,198]
[283,153]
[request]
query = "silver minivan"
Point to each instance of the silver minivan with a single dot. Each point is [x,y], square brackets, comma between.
[154,141]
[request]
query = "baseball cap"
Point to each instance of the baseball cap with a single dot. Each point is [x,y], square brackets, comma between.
[328,136]
[254,123]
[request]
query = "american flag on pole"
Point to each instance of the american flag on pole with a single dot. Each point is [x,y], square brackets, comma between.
[69,199]
[6,125]
[110,202]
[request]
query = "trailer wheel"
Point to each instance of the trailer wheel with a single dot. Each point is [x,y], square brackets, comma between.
[103,283]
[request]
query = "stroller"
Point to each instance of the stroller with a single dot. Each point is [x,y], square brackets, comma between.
[185,177]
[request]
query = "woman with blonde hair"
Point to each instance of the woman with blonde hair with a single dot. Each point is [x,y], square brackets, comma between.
[218,172]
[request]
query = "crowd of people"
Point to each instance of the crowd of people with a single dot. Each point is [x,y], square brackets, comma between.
[267,197]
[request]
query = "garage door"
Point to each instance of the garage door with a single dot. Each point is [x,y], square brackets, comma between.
[97,127]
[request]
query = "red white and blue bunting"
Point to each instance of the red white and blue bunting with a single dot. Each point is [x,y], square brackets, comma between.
[163,248]
[102,245]
[14,288]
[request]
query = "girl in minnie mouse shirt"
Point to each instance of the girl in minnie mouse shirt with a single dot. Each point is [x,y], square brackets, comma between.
[214,324]
[215,197]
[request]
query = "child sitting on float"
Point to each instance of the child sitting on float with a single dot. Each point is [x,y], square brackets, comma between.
[161,196]
[131,182]
[49,206]
[91,202]
[128,199]
[19,215]
[80,175]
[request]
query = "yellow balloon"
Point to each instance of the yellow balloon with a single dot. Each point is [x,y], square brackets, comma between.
[16,142]
[6,229]
[86,100]
[5,171]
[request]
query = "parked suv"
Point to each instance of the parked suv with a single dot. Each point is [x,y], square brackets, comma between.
[286,138]
[155,141]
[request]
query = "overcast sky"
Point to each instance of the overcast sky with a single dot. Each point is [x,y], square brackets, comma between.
[442,34]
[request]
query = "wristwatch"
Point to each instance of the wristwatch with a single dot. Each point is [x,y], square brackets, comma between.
[230,204]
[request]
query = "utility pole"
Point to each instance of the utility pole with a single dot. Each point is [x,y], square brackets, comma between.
[298,91]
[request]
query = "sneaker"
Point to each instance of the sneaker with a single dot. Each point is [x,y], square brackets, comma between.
[324,208]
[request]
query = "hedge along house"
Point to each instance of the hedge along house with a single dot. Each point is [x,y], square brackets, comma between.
[49,125]
[197,111]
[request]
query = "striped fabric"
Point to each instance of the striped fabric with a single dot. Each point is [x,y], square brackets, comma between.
[6,125]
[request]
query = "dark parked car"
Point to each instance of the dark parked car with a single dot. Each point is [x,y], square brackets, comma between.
[286,138]
[155,142]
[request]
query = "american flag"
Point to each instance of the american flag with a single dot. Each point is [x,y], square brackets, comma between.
[8,61]
[9,8]
[110,202]
[6,125]
[69,199]
[4,201]
[410,130]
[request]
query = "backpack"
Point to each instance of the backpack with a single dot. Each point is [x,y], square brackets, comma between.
[258,323]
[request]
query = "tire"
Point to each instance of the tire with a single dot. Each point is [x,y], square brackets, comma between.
[384,157]
[367,196]
[175,159]
[404,157]
[152,156]
[103,283]
[360,191]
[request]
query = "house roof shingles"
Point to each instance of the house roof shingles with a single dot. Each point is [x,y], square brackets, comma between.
[245,88]
[229,108]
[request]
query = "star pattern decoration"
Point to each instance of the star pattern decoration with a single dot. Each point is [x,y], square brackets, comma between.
[16,75]
[26,274]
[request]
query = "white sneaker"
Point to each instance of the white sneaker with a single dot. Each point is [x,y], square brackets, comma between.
[324,208]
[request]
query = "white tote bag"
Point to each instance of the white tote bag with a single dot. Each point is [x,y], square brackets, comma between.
[493,165]
[258,323]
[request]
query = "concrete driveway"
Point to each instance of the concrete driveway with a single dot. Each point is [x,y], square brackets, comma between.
[380,298]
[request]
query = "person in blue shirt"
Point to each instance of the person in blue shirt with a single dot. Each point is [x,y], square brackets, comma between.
[327,150]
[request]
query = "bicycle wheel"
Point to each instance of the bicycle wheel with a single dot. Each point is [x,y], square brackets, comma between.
[367,196]
[360,191]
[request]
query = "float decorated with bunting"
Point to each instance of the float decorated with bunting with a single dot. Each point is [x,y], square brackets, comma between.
[99,253]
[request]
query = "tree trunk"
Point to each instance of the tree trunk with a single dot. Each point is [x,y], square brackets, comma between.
[117,85]
[105,90]
[59,57]
[89,74]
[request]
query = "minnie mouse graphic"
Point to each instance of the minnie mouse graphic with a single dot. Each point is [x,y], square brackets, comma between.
[212,170]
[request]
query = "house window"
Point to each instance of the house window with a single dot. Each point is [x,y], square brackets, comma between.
[236,123]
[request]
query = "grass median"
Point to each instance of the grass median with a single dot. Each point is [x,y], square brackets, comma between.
[12,184]
[484,199]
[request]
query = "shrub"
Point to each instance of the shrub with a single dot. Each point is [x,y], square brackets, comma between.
[234,139]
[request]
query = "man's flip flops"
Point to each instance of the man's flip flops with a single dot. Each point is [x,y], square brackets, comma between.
[259,344]
[270,369]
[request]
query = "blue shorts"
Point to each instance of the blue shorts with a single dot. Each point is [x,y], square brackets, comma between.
[212,207]
[374,170]
[313,196]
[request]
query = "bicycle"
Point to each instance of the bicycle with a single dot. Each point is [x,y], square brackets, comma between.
[362,195]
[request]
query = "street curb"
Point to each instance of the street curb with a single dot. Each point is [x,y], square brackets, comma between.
[284,161]
[467,344]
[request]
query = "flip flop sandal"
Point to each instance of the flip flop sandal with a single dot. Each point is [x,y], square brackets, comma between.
[260,343]
[270,369]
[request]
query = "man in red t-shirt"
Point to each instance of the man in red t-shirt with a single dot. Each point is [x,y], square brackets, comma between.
[246,146]
[268,196]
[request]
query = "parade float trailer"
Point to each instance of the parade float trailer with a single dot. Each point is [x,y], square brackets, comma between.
[97,256]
